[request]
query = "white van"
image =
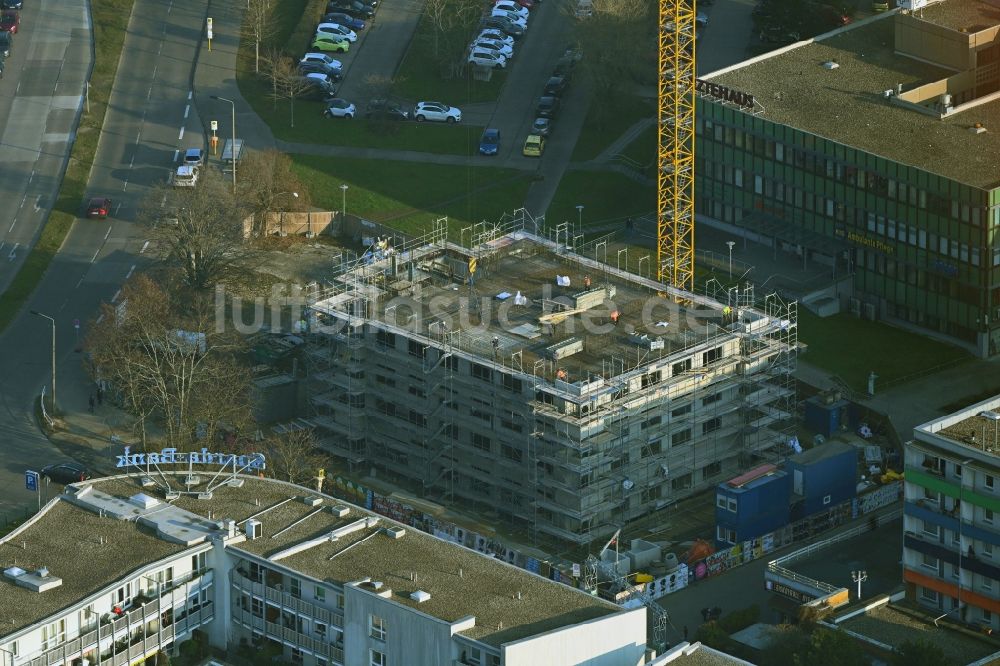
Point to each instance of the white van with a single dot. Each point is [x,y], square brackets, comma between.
[186,176]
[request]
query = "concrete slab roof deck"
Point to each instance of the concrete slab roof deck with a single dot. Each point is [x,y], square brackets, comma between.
[893,626]
[68,541]
[846,104]
[487,588]
[822,452]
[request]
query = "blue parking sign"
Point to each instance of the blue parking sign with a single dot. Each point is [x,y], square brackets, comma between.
[31,481]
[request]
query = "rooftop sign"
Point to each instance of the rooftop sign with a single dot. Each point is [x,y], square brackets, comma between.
[724,93]
[203,457]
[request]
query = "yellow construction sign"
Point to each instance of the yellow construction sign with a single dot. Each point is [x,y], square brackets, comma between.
[472,265]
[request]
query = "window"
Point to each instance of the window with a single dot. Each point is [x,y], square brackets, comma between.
[319,593]
[989,482]
[714,469]
[340,601]
[680,367]
[296,655]
[385,339]
[709,399]
[987,616]
[987,516]
[376,627]
[295,587]
[416,349]
[720,501]
[681,411]
[733,504]
[12,648]
[481,442]
[256,607]
[53,634]
[510,453]
[711,425]
[680,437]
[198,562]
[652,448]
[711,356]
[651,379]
[512,384]
[928,594]
[929,561]
[931,529]
[376,658]
[987,583]
[987,549]
[320,629]
[649,423]
[482,372]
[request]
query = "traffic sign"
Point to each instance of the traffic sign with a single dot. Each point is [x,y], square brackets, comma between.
[76,324]
[31,481]
[215,125]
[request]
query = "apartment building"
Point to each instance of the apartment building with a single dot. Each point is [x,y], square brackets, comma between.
[951,523]
[530,377]
[117,569]
[872,150]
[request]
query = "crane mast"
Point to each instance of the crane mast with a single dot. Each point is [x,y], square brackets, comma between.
[675,144]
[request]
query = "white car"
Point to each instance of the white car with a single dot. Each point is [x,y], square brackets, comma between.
[495,46]
[438,111]
[339,108]
[324,59]
[497,35]
[336,30]
[194,157]
[185,176]
[512,7]
[490,59]
[513,17]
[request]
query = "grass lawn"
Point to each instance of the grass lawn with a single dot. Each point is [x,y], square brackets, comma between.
[418,78]
[851,348]
[604,126]
[605,196]
[110,20]
[409,196]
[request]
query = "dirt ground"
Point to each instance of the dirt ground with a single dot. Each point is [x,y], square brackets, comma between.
[296,260]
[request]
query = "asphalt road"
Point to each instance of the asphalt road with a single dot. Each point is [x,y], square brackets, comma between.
[41,96]
[725,39]
[150,117]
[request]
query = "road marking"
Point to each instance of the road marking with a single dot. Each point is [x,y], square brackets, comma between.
[23,200]
[181,135]
[176,153]
[63,306]
[138,135]
[117,294]
[144,246]
[107,234]
[80,281]
[31,176]
[94,258]
[100,319]
[2,243]
[190,94]
[160,48]
[149,93]
[18,88]
[124,186]
[129,274]
[187,110]
[154,71]
[131,162]
[38,203]
[170,6]
[12,225]
[13,252]
[118,207]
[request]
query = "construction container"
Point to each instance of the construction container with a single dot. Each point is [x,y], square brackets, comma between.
[827,413]
[751,505]
[822,477]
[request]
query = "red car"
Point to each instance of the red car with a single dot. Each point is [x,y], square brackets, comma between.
[9,22]
[99,207]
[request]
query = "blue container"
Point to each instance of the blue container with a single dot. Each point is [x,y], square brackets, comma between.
[823,477]
[825,417]
[751,505]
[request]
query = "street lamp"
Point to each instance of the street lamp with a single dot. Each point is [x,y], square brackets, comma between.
[859,577]
[53,322]
[234,152]
[730,244]
[579,216]
[343,204]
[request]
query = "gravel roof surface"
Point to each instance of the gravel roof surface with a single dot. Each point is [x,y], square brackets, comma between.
[970,15]
[894,627]
[66,540]
[846,104]
[487,588]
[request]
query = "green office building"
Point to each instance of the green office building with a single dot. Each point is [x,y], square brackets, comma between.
[874,149]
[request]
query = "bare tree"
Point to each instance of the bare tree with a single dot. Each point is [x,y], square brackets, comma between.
[269,185]
[201,234]
[288,82]
[452,21]
[167,364]
[293,456]
[259,25]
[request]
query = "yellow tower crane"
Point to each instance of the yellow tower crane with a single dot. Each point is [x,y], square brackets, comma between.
[675,147]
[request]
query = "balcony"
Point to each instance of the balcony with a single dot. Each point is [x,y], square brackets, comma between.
[289,636]
[284,600]
[951,556]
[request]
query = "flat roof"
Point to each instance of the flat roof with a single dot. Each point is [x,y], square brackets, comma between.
[461,582]
[823,451]
[894,626]
[964,15]
[68,541]
[846,104]
[969,429]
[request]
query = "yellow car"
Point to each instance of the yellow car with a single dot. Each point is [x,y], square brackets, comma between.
[880,6]
[534,146]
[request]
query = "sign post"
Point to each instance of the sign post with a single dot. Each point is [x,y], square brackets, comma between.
[31,484]
[209,34]
[215,138]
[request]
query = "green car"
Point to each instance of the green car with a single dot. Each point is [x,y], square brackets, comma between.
[327,43]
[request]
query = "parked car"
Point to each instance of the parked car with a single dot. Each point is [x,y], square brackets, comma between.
[318,87]
[489,144]
[12,4]
[495,34]
[534,146]
[487,58]
[320,68]
[65,472]
[438,111]
[99,208]
[194,157]
[385,110]
[508,27]
[542,126]
[184,176]
[339,108]
[337,30]
[6,44]
[345,20]
[527,4]
[555,86]
[9,22]
[547,107]
[512,17]
[330,63]
[880,6]
[510,6]
[564,67]
[352,8]
[493,45]
[330,43]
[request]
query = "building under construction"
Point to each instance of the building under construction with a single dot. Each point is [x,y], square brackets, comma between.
[527,375]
